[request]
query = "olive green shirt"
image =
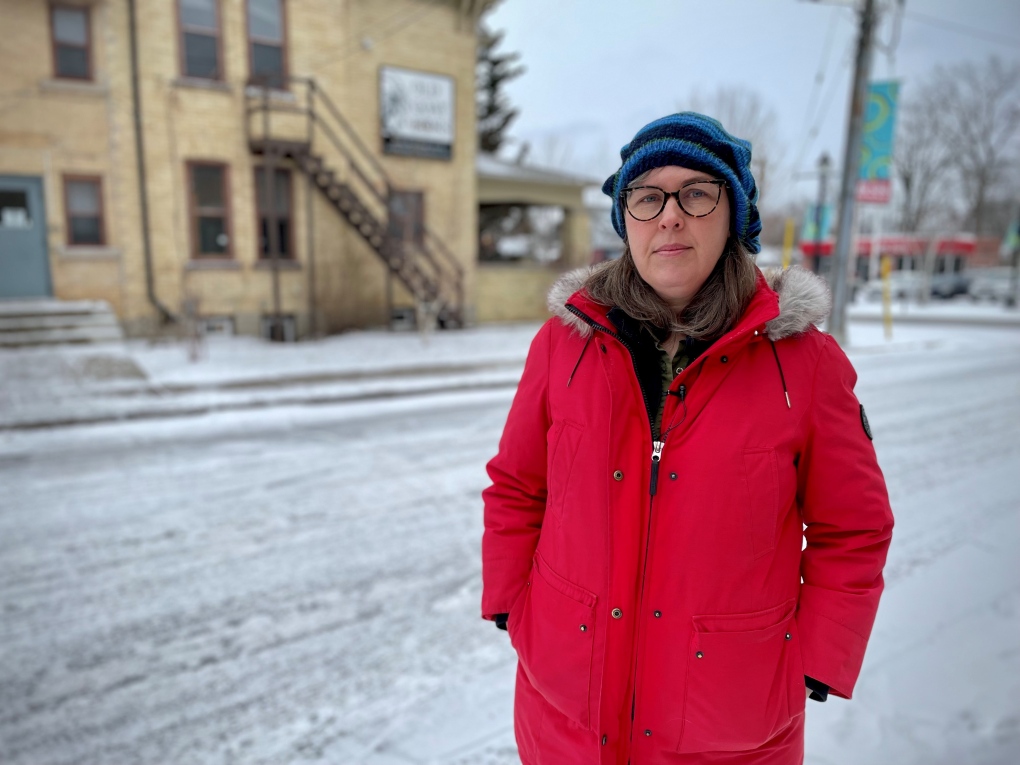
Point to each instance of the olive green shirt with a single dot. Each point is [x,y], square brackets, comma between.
[671,365]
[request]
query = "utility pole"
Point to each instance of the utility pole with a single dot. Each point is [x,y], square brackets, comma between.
[1014,274]
[851,164]
[823,185]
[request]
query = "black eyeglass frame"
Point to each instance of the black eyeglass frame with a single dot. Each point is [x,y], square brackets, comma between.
[719,182]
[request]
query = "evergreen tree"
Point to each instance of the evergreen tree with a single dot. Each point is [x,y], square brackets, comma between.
[492,71]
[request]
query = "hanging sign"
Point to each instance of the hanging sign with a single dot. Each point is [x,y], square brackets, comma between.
[874,184]
[416,113]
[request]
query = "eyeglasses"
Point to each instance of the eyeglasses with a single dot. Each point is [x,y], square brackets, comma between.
[697,199]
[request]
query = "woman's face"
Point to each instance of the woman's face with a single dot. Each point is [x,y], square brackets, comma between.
[674,252]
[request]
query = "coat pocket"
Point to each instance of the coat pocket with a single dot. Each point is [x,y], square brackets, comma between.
[761,487]
[553,632]
[738,680]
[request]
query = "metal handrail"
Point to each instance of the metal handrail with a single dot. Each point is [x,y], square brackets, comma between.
[316,118]
[444,251]
[335,113]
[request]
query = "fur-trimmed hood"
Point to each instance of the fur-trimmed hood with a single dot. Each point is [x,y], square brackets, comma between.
[804,300]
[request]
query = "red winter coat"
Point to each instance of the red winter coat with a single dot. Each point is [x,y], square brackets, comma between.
[658,629]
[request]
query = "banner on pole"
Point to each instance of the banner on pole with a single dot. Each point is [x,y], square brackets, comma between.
[810,231]
[1011,241]
[874,184]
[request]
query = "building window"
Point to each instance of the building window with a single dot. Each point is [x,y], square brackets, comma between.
[83,205]
[407,216]
[266,42]
[72,42]
[210,210]
[200,39]
[283,192]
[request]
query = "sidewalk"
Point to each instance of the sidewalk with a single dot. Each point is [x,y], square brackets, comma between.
[960,311]
[75,385]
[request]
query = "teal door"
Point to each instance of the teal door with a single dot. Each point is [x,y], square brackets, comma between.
[24,266]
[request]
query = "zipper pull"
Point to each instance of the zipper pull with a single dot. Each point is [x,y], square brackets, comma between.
[656,456]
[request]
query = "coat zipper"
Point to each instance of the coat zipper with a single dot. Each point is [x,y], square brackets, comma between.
[656,456]
[657,446]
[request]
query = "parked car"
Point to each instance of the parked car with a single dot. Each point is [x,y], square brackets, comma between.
[903,285]
[990,284]
[949,285]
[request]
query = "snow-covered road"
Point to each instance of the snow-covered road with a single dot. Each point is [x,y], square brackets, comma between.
[301,584]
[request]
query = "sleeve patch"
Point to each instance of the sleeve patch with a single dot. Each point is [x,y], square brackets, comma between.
[866,425]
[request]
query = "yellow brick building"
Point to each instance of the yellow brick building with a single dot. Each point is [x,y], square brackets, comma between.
[135,135]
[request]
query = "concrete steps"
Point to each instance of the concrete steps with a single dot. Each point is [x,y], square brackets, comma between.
[56,322]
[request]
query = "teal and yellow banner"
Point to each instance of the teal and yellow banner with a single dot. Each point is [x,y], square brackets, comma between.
[874,184]
[809,231]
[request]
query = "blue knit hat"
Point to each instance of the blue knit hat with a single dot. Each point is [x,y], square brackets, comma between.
[697,142]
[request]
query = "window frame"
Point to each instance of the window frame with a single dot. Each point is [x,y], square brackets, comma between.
[259,212]
[87,10]
[68,178]
[194,211]
[284,47]
[182,53]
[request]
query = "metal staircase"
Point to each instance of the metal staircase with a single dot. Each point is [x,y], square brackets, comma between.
[304,127]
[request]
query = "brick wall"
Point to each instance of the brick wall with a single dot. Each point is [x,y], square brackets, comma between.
[52,127]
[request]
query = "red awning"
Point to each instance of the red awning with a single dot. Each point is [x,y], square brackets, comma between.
[898,244]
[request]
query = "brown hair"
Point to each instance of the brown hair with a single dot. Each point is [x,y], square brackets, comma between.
[712,311]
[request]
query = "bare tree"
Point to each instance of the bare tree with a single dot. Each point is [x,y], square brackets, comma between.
[921,159]
[744,114]
[981,111]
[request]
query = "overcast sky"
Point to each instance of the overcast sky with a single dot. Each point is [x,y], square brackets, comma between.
[597,70]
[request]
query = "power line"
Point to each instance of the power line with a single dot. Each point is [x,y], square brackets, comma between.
[823,70]
[823,109]
[963,29]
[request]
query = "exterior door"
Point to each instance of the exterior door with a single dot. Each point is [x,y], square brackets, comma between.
[407,216]
[24,265]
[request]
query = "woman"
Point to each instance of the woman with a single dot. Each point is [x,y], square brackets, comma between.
[680,428]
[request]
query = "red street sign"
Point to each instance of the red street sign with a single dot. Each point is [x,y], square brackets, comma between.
[874,191]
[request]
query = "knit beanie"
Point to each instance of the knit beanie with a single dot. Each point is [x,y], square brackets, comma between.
[697,142]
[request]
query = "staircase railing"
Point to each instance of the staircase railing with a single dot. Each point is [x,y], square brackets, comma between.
[305,120]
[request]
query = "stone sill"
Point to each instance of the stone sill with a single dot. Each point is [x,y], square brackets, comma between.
[88,252]
[213,264]
[285,265]
[77,87]
[524,264]
[198,83]
[275,94]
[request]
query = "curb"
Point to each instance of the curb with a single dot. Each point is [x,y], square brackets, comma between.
[195,411]
[970,321]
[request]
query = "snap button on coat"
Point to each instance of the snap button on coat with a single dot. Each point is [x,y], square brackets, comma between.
[617,613]
[618,475]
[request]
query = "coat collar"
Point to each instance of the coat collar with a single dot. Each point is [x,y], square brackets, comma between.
[787,302]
